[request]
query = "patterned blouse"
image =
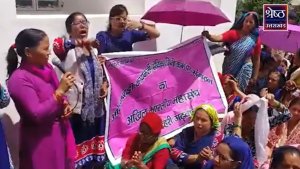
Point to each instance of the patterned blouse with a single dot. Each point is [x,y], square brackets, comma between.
[4,97]
[275,118]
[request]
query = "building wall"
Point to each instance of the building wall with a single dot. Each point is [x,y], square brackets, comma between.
[53,25]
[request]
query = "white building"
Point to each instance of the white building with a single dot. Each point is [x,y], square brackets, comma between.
[52,22]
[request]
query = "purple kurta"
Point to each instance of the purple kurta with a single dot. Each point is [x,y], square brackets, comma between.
[43,142]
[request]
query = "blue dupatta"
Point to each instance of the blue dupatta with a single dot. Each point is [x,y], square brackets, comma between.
[185,146]
[241,152]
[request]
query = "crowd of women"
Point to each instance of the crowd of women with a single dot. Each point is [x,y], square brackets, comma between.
[62,122]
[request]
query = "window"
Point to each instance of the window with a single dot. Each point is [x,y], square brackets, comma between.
[37,5]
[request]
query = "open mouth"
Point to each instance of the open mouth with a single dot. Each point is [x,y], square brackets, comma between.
[83,32]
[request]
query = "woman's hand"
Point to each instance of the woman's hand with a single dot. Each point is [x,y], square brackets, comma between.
[205,34]
[136,160]
[101,59]
[87,43]
[66,82]
[290,85]
[126,164]
[104,90]
[237,111]
[205,154]
[131,24]
[271,99]
[67,111]
[233,84]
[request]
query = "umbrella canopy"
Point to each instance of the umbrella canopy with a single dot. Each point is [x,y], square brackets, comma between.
[288,41]
[186,13]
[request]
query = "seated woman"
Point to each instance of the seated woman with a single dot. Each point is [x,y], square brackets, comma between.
[289,132]
[145,149]
[286,134]
[250,121]
[122,32]
[275,82]
[193,145]
[285,157]
[268,65]
[231,153]
[231,90]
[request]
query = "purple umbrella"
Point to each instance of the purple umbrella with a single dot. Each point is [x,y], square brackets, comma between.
[186,13]
[288,41]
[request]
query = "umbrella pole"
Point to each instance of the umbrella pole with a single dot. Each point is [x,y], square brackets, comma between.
[181,34]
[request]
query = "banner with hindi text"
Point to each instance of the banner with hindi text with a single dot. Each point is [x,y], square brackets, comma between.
[171,83]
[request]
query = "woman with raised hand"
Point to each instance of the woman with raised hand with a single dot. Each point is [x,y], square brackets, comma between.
[78,55]
[243,58]
[123,32]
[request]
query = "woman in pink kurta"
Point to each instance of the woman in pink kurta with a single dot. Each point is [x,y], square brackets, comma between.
[46,140]
[289,132]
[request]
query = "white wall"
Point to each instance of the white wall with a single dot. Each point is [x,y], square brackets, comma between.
[53,25]
[93,7]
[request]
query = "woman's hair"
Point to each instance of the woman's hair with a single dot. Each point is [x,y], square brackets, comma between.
[27,38]
[71,19]
[278,155]
[295,101]
[282,78]
[268,61]
[238,25]
[115,11]
[240,22]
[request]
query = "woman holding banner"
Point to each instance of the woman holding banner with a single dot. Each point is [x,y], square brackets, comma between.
[78,55]
[193,145]
[243,58]
[145,149]
[122,32]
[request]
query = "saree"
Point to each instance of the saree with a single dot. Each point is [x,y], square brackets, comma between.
[236,64]
[160,144]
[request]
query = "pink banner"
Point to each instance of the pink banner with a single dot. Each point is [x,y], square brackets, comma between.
[171,84]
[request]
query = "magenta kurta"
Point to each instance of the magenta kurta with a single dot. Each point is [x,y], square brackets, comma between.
[44,137]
